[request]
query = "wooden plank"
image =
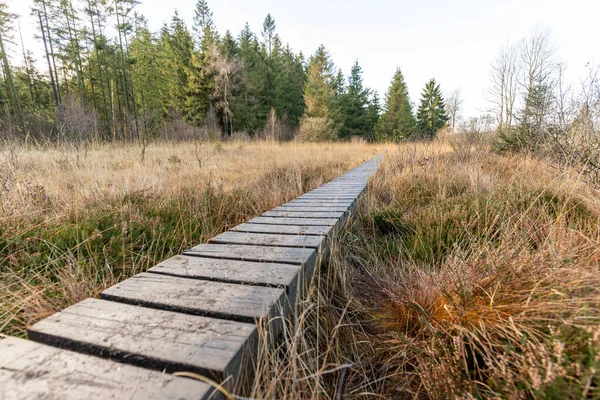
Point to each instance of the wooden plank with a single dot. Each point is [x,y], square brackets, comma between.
[296,221]
[268,239]
[306,257]
[309,208]
[337,192]
[287,255]
[320,202]
[329,203]
[284,229]
[30,370]
[327,196]
[242,303]
[230,271]
[303,214]
[286,276]
[153,339]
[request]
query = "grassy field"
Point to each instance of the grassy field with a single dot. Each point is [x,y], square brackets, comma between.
[464,275]
[74,221]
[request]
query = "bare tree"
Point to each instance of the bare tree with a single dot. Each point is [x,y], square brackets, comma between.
[538,77]
[228,77]
[454,104]
[503,90]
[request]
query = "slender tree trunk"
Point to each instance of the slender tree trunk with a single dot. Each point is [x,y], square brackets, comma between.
[26,63]
[52,52]
[107,119]
[91,74]
[125,85]
[52,80]
[135,114]
[74,50]
[11,84]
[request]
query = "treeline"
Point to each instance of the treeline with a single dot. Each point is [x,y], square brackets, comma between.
[109,77]
[538,112]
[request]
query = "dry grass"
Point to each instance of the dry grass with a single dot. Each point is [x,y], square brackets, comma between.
[462,277]
[76,220]
[466,274]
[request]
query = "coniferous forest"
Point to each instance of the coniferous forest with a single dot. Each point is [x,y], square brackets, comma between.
[108,76]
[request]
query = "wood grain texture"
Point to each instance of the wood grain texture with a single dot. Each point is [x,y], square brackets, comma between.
[327,197]
[30,370]
[286,276]
[306,257]
[304,214]
[242,303]
[269,239]
[287,255]
[154,339]
[320,202]
[284,229]
[295,221]
[310,208]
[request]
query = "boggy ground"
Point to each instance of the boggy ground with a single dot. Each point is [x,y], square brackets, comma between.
[463,275]
[74,221]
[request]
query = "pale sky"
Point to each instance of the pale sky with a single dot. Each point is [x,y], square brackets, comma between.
[452,41]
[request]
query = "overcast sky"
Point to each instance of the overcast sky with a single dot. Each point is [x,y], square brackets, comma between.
[452,41]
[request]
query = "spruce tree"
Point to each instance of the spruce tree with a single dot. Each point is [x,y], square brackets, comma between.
[247,107]
[203,26]
[397,121]
[320,97]
[431,115]
[355,106]
[373,115]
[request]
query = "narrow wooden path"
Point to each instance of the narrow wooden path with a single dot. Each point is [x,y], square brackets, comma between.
[196,312]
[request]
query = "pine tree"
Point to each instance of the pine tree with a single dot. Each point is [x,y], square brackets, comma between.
[247,104]
[397,121]
[320,97]
[373,115]
[149,75]
[355,106]
[289,85]
[204,27]
[431,115]
[6,26]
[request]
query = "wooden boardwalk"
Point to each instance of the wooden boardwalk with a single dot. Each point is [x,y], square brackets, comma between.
[196,312]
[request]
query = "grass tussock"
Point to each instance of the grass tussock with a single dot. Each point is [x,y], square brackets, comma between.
[461,277]
[74,221]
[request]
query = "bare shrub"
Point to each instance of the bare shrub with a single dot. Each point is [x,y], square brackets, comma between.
[277,129]
[242,136]
[77,122]
[211,129]
[472,135]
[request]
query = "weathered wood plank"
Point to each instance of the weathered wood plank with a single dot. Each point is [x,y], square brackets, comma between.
[304,214]
[335,193]
[327,197]
[320,202]
[310,208]
[230,271]
[242,303]
[268,239]
[295,221]
[307,257]
[287,255]
[154,339]
[30,370]
[285,276]
[284,229]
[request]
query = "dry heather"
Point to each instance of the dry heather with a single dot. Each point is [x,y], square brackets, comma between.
[463,276]
[74,221]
